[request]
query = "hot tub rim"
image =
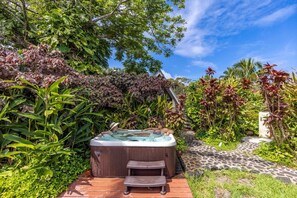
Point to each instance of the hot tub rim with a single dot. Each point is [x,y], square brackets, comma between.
[171,143]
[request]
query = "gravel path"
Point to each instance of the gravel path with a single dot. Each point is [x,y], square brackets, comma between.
[201,156]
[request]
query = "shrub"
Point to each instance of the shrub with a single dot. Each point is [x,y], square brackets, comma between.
[175,117]
[272,83]
[48,112]
[290,96]
[279,92]
[42,67]
[248,121]
[181,145]
[44,123]
[278,154]
[47,181]
[216,105]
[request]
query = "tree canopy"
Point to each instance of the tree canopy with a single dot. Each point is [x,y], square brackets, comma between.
[245,68]
[89,32]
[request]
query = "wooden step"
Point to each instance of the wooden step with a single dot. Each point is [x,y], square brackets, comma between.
[146,165]
[145,181]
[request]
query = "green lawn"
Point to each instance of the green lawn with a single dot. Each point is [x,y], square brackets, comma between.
[237,184]
[220,145]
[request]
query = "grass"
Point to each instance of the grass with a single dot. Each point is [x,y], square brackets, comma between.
[220,145]
[236,184]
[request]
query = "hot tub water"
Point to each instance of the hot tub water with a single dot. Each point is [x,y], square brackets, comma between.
[135,135]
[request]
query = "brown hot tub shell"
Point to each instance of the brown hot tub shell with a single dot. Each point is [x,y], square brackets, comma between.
[111,161]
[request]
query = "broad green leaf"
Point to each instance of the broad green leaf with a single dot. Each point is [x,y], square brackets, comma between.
[55,85]
[16,138]
[95,114]
[63,102]
[62,95]
[69,124]
[77,108]
[41,133]
[17,102]
[83,140]
[84,127]
[5,119]
[21,129]
[89,51]
[56,128]
[31,116]
[28,83]
[20,145]
[17,87]
[11,154]
[63,152]
[87,119]
[4,110]
[8,81]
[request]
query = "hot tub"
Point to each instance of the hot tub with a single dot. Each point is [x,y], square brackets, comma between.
[110,153]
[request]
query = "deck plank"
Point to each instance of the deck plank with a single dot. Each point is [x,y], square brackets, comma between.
[87,186]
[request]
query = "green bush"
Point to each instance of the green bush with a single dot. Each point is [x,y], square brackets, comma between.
[41,181]
[223,108]
[278,154]
[181,145]
[280,91]
[248,120]
[49,117]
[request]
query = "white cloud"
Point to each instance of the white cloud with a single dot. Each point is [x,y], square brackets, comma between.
[277,15]
[204,64]
[283,57]
[193,43]
[207,21]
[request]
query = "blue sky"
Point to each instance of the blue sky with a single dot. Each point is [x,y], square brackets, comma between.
[221,32]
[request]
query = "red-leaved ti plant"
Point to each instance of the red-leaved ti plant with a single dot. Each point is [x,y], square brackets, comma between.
[272,84]
[219,101]
[246,83]
[210,71]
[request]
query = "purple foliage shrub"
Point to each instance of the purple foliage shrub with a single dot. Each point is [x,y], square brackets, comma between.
[42,67]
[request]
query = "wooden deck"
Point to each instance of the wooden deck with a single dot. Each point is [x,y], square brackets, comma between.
[87,186]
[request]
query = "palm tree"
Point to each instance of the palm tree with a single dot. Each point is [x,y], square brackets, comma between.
[230,72]
[245,68]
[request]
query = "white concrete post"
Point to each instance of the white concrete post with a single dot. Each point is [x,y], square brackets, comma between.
[263,129]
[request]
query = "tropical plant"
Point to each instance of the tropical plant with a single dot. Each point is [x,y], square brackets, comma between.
[175,117]
[51,121]
[245,68]
[9,105]
[87,31]
[179,85]
[279,91]
[41,67]
[272,85]
[278,154]
[248,121]
[139,115]
[216,106]
[42,182]
[290,95]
